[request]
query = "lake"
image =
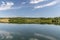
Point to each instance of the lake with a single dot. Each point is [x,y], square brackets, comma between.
[29,32]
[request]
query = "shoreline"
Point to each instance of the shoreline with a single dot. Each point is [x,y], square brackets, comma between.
[22,20]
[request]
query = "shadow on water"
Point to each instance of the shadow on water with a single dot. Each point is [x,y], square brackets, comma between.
[34,23]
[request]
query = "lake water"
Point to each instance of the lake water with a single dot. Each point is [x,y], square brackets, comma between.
[29,32]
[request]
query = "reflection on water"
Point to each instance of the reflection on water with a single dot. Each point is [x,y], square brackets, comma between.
[29,32]
[5,35]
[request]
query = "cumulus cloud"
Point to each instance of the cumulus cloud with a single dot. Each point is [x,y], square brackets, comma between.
[32,3]
[6,5]
[36,1]
[46,5]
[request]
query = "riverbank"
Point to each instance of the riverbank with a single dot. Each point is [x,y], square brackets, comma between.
[22,20]
[4,20]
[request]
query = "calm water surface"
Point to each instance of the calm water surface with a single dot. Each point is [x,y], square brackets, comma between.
[29,32]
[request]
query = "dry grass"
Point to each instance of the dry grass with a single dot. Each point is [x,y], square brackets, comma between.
[4,20]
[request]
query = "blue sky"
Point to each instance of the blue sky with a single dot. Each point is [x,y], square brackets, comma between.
[30,8]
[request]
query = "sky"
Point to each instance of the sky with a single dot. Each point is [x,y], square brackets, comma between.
[29,8]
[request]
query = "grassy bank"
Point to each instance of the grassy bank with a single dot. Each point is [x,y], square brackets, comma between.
[35,20]
[4,20]
[21,20]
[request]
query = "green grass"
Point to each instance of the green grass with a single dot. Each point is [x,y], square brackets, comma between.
[35,20]
[20,20]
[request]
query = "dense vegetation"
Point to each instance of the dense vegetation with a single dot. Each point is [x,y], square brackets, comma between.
[25,20]
[55,20]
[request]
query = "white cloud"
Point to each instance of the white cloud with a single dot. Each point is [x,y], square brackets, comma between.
[46,5]
[36,1]
[6,5]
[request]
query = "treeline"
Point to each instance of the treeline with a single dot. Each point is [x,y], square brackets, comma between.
[20,20]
